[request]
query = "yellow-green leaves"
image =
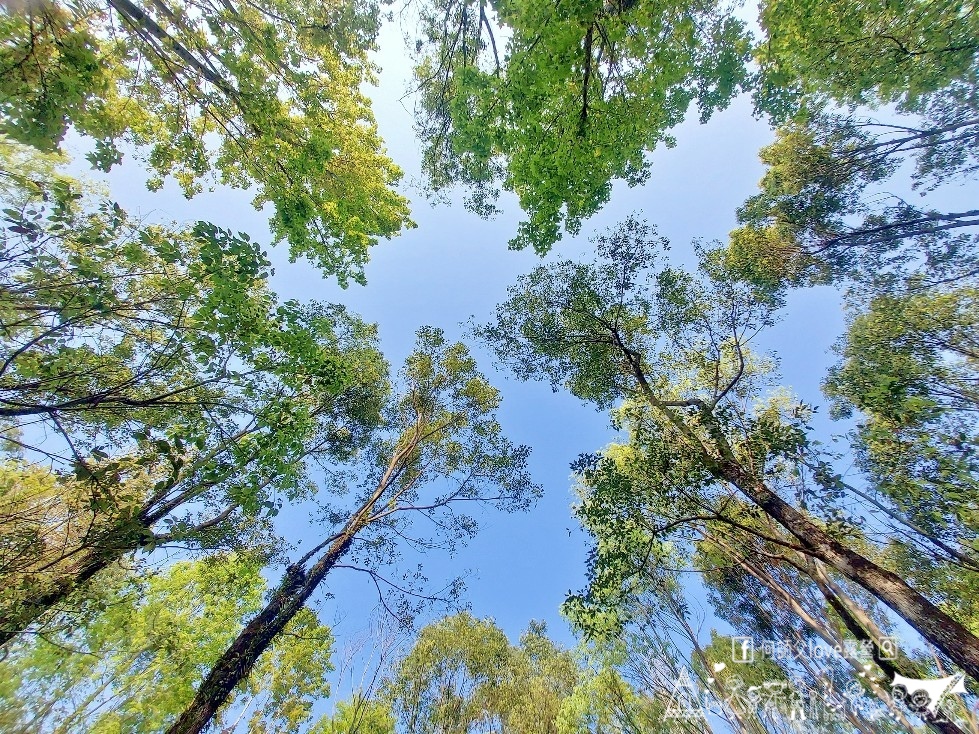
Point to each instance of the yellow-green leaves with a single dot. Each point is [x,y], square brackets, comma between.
[463,673]
[184,401]
[868,51]
[134,665]
[909,365]
[360,714]
[264,96]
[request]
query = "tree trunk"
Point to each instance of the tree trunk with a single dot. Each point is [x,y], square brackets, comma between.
[937,627]
[125,534]
[842,607]
[238,660]
[100,555]
[236,663]
[791,603]
[940,629]
[135,15]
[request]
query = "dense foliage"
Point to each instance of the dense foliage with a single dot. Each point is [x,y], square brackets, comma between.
[262,95]
[174,432]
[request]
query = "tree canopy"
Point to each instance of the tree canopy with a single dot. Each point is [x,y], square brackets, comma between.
[440,449]
[167,627]
[187,403]
[191,455]
[577,97]
[259,95]
[670,352]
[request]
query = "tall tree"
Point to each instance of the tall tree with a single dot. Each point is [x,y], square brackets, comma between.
[449,682]
[675,347]
[358,716]
[907,359]
[463,675]
[440,448]
[827,635]
[645,541]
[603,702]
[261,94]
[153,391]
[909,365]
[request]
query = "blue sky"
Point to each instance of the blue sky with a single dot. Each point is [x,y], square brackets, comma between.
[455,266]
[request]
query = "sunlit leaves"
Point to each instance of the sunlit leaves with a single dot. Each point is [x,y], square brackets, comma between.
[134,665]
[265,96]
[463,675]
[865,52]
[179,394]
[908,363]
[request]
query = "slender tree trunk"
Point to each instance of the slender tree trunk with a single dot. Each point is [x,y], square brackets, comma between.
[296,587]
[742,725]
[857,723]
[791,603]
[80,714]
[135,15]
[844,608]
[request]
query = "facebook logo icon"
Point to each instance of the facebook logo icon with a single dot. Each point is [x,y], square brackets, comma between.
[742,649]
